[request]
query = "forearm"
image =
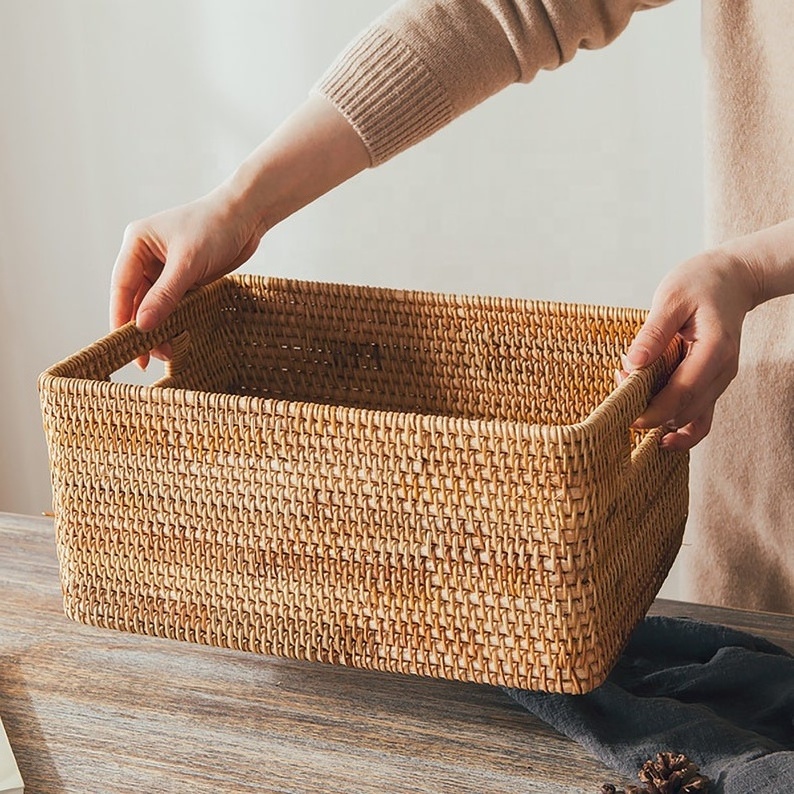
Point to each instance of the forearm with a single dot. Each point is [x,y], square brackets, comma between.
[422,64]
[313,151]
[425,62]
[768,255]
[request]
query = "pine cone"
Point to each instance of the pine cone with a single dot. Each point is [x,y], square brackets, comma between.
[672,774]
[668,774]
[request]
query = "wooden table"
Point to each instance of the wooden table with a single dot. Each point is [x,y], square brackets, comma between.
[91,710]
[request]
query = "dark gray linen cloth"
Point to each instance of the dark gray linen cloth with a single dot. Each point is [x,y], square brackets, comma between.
[722,697]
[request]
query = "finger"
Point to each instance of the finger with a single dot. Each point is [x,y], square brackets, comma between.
[164,294]
[143,288]
[691,434]
[664,321]
[707,369]
[163,352]
[142,360]
[128,273]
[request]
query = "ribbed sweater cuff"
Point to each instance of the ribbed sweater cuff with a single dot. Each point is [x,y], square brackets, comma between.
[387,93]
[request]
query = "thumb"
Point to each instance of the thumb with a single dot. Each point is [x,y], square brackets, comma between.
[659,329]
[163,296]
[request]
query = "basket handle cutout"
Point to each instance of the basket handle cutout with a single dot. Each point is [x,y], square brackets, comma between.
[179,361]
[638,390]
[105,357]
[617,413]
[637,458]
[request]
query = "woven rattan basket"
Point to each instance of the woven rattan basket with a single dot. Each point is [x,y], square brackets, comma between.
[399,481]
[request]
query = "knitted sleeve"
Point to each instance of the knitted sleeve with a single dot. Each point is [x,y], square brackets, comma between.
[425,62]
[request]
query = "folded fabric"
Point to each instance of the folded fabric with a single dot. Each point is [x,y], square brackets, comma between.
[722,697]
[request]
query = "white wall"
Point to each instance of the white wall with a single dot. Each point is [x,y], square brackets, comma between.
[584,186]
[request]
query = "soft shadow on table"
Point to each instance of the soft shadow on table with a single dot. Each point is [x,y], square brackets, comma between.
[24,731]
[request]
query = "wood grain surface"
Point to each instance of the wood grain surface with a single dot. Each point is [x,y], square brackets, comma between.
[90,710]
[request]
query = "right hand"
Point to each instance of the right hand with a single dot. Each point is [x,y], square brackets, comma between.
[704,301]
[165,255]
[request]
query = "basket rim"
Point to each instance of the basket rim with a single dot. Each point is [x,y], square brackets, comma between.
[463,299]
[635,390]
[625,392]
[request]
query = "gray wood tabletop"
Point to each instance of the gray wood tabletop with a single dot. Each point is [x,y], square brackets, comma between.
[92,710]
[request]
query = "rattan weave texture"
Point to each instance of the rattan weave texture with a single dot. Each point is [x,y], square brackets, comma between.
[401,481]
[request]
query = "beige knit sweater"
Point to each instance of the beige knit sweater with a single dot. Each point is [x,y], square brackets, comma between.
[424,62]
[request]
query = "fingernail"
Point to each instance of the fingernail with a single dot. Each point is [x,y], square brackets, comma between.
[671,426]
[620,376]
[636,358]
[146,320]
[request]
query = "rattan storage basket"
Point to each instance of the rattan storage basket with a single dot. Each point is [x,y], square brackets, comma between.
[399,481]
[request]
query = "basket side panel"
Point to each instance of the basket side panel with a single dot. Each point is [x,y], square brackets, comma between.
[637,547]
[394,542]
[454,356]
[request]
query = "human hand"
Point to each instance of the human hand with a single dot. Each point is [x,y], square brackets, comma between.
[312,151]
[704,301]
[165,255]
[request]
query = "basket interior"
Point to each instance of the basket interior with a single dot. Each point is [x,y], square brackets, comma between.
[473,358]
